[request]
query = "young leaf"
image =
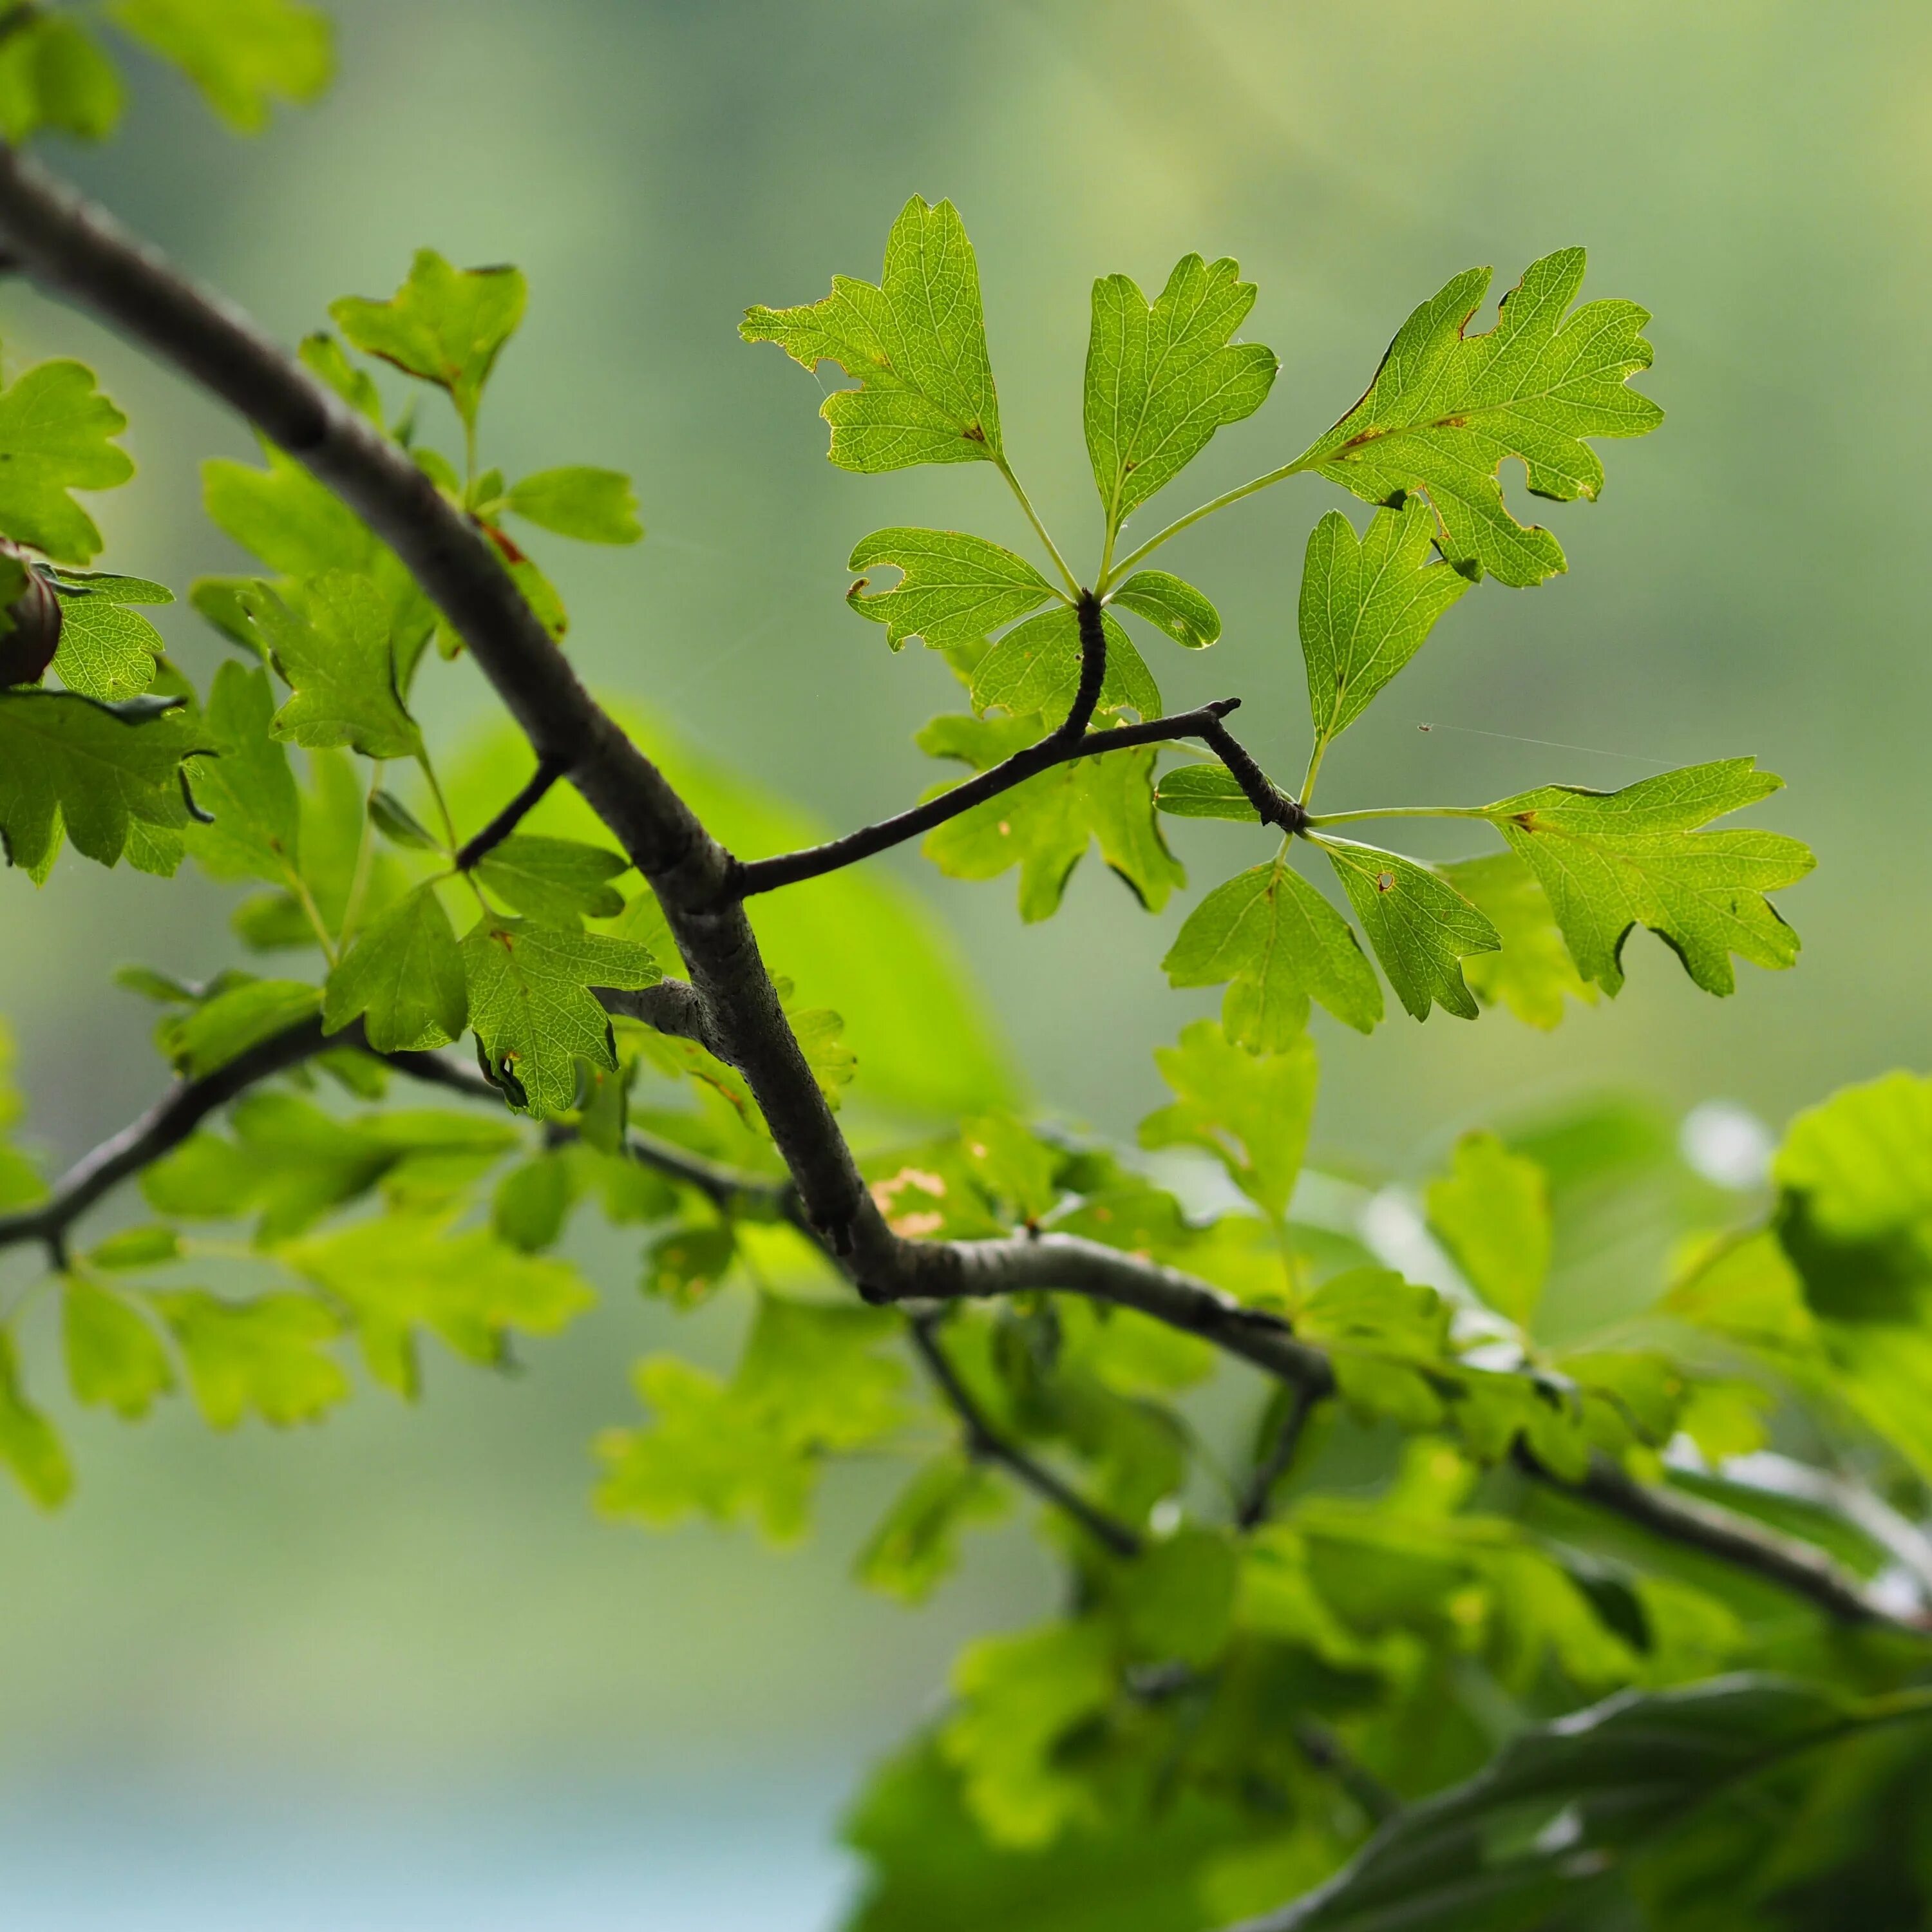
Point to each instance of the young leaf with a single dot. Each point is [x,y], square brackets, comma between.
[1162,378]
[1044,826]
[333,649]
[112,779]
[1204,791]
[28,1444]
[1171,603]
[916,345]
[322,355]
[1036,667]
[106,651]
[1280,942]
[813,1374]
[1367,607]
[405,976]
[398,824]
[532,1203]
[407,1270]
[1534,971]
[266,1355]
[593,505]
[286,517]
[1492,1212]
[114,1359]
[1610,861]
[1444,410]
[1251,1112]
[57,435]
[53,74]
[1419,925]
[953,589]
[228,1025]
[530,1005]
[242,54]
[560,881]
[445,325]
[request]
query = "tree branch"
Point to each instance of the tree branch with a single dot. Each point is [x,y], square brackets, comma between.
[1274,805]
[672,1006]
[548,771]
[789,868]
[1087,614]
[71,246]
[1273,1466]
[984,1443]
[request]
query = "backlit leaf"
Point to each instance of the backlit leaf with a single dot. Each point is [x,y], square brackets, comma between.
[953,589]
[242,54]
[1533,972]
[593,505]
[1171,605]
[1421,926]
[57,435]
[267,1356]
[404,976]
[1492,1212]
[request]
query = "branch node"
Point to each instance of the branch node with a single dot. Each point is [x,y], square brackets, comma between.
[551,767]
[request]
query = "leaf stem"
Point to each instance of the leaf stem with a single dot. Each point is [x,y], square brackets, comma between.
[1320,819]
[1040,529]
[365,852]
[298,886]
[1220,502]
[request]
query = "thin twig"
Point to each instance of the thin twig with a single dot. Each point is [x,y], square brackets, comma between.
[811,862]
[1324,1751]
[1273,1466]
[1274,805]
[984,1443]
[549,769]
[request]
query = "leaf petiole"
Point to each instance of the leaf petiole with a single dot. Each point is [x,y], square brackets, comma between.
[1040,529]
[1207,509]
[1398,812]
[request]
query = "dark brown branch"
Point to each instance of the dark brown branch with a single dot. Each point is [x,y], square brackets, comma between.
[1273,1465]
[1274,805]
[1327,1753]
[789,868]
[984,1443]
[1087,616]
[548,771]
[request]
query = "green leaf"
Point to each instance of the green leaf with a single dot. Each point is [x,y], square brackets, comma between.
[136,1248]
[915,1544]
[532,1201]
[685,1267]
[29,1445]
[1170,605]
[445,325]
[111,780]
[820,1033]
[1045,825]
[409,1271]
[228,1025]
[1444,410]
[1280,941]
[1204,791]
[285,516]
[322,355]
[559,881]
[530,1005]
[57,435]
[1609,861]
[1367,607]
[1565,1803]
[916,345]
[108,586]
[1036,667]
[706,1453]
[1491,1213]
[266,1355]
[953,589]
[114,1359]
[814,1374]
[333,649]
[1534,971]
[106,651]
[1419,925]
[405,976]
[53,74]
[242,54]
[246,787]
[1019,1696]
[593,505]
[398,824]
[1162,378]
[1252,1113]
[1863,1159]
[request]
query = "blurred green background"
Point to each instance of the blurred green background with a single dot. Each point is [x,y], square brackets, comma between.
[416,1609]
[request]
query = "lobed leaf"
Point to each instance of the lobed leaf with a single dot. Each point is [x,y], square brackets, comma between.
[558,881]
[57,435]
[333,647]
[404,977]
[267,1355]
[953,589]
[1036,668]
[916,345]
[1534,973]
[1492,1212]
[242,54]
[1611,861]
[1422,928]
[115,1360]
[53,74]
[106,651]
[1162,377]
[1280,942]
[1444,410]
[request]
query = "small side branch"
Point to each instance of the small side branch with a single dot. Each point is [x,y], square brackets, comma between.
[985,1444]
[811,861]
[674,1006]
[1267,798]
[1273,1466]
[548,771]
[1093,667]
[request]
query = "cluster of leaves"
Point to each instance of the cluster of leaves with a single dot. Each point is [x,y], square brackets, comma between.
[1298,1614]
